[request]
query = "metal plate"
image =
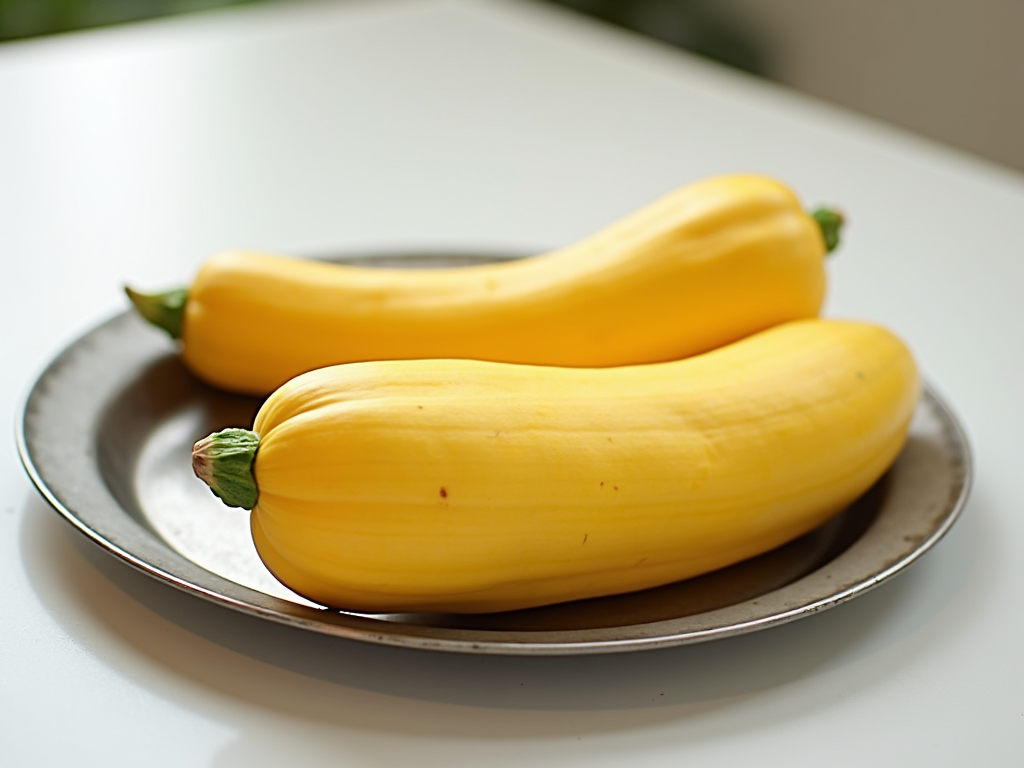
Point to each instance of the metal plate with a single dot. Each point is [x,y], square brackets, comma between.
[106,436]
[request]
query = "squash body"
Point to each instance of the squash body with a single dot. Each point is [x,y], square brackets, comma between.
[467,486]
[704,266]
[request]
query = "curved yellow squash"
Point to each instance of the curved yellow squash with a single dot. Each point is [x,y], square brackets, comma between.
[704,266]
[471,486]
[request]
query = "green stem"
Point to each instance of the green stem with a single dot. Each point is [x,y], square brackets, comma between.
[223,461]
[831,222]
[164,310]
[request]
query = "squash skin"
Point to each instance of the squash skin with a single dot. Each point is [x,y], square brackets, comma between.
[704,266]
[467,486]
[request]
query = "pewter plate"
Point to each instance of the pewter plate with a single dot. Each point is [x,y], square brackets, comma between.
[106,436]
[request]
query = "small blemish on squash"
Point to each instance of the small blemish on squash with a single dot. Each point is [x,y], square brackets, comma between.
[420,407]
[602,485]
[860,375]
[585,538]
[444,493]
[615,487]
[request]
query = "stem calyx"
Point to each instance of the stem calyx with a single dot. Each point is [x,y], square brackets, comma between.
[224,462]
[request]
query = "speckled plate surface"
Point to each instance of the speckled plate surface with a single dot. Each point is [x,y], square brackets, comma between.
[106,436]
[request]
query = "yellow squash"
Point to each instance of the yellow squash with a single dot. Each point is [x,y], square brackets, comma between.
[708,264]
[466,486]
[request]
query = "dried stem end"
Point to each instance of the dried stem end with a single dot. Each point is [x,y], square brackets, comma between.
[831,223]
[223,461]
[164,310]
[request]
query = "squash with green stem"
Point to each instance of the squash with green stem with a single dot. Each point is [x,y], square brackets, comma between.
[469,486]
[704,266]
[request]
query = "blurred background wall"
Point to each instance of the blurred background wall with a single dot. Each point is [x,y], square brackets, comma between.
[952,70]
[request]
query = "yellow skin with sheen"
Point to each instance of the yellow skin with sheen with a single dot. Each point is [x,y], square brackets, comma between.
[704,266]
[466,486]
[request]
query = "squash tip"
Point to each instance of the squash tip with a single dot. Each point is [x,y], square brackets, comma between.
[224,461]
[165,310]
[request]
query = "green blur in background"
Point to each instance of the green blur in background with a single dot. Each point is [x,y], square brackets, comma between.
[33,18]
[691,24]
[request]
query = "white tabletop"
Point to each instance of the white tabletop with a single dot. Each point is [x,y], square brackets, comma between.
[135,152]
